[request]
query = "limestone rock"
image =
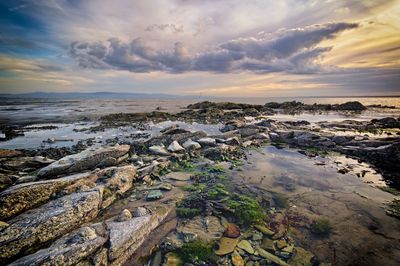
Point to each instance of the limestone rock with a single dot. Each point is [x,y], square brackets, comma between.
[22,197]
[120,178]
[191,145]
[208,228]
[158,150]
[87,159]
[51,220]
[175,147]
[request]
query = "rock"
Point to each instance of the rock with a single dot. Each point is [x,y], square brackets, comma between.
[265,254]
[20,198]
[245,245]
[51,220]
[302,257]
[237,260]
[172,259]
[264,230]
[140,211]
[87,159]
[9,153]
[3,225]
[179,176]
[207,142]
[207,228]
[100,258]
[124,216]
[281,243]
[226,245]
[154,195]
[158,150]
[191,145]
[19,163]
[68,250]
[156,260]
[351,106]
[248,131]
[268,245]
[257,236]
[119,179]
[165,186]
[127,237]
[232,231]
[234,141]
[175,147]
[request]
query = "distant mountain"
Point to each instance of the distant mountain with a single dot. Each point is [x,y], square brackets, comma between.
[89,95]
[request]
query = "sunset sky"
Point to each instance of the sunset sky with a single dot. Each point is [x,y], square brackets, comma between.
[198,47]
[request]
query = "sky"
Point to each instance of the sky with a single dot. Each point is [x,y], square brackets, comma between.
[233,48]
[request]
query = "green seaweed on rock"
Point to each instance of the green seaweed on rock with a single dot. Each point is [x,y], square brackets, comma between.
[321,227]
[246,209]
[197,251]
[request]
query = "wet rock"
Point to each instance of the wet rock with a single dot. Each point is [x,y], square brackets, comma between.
[191,145]
[257,236]
[158,150]
[22,197]
[263,229]
[268,245]
[87,159]
[69,250]
[351,106]
[179,176]
[234,141]
[265,254]
[124,216]
[175,147]
[232,231]
[237,260]
[38,226]
[127,237]
[226,245]
[208,228]
[5,181]
[154,195]
[248,131]
[172,259]
[302,257]
[207,141]
[245,245]
[140,211]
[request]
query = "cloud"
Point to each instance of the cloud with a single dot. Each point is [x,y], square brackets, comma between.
[293,51]
[165,27]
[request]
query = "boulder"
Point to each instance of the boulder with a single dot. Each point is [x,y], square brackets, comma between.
[207,141]
[22,197]
[119,179]
[191,145]
[87,159]
[158,150]
[126,237]
[175,147]
[68,250]
[50,221]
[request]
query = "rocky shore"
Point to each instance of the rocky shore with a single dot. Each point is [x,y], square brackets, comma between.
[103,205]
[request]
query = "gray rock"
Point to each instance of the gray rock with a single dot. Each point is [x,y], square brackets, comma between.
[154,195]
[22,197]
[69,250]
[191,145]
[175,147]
[140,211]
[87,159]
[120,179]
[124,216]
[51,220]
[158,150]
[207,141]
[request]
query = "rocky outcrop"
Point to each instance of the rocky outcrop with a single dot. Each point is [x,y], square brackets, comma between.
[38,226]
[69,250]
[127,236]
[22,197]
[88,159]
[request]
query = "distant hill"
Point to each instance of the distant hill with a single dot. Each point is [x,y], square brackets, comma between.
[88,95]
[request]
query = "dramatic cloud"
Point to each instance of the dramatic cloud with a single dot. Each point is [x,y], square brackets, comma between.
[291,50]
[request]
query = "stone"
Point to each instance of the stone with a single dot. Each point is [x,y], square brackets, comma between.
[158,150]
[263,229]
[268,245]
[265,254]
[232,231]
[68,250]
[124,216]
[207,228]
[237,260]
[245,245]
[100,258]
[165,186]
[301,257]
[51,220]
[248,131]
[22,197]
[179,176]
[172,259]
[140,211]
[226,245]
[154,195]
[281,243]
[175,147]
[126,237]
[257,236]
[156,260]
[207,141]
[87,159]
[234,141]
[191,145]
[3,225]
[118,179]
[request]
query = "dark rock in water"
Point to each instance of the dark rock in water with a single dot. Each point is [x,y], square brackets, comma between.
[71,249]
[38,226]
[387,122]
[22,197]
[297,123]
[351,106]
[85,160]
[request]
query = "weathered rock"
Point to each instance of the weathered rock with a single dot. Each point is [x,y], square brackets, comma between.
[226,245]
[158,150]
[302,257]
[69,250]
[9,153]
[120,178]
[87,159]
[265,254]
[124,216]
[179,176]
[126,237]
[263,229]
[140,211]
[154,195]
[19,163]
[3,225]
[175,147]
[51,220]
[237,260]
[232,231]
[191,145]
[207,228]
[22,197]
[172,259]
[248,131]
[207,141]
[245,245]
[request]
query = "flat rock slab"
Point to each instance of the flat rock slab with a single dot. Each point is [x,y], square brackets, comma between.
[51,220]
[126,237]
[19,198]
[87,159]
[179,176]
[208,228]
[68,250]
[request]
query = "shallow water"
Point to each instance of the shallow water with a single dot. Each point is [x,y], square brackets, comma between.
[362,233]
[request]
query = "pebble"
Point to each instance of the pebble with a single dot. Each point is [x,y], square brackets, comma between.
[245,245]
